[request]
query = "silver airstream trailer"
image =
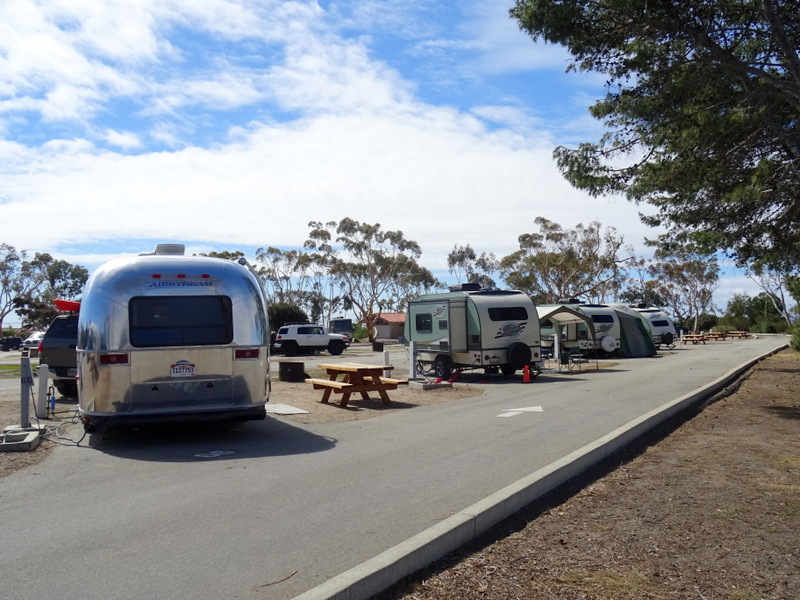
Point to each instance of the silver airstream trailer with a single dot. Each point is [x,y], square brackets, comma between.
[165,336]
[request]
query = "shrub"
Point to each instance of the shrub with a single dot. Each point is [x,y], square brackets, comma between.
[795,341]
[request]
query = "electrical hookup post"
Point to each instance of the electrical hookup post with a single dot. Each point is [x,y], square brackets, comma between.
[22,437]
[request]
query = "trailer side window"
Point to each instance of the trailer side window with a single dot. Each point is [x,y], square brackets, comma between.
[423,322]
[602,318]
[661,323]
[180,321]
[508,313]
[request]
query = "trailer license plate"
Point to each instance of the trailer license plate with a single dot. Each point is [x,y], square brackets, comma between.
[181,369]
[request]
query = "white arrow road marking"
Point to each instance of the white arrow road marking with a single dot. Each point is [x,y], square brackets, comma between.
[513,412]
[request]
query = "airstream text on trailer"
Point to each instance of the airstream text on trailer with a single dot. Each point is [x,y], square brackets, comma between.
[164,335]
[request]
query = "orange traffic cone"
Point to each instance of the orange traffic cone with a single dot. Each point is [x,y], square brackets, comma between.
[526,374]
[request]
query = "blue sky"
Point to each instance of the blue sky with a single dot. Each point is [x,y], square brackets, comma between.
[229,125]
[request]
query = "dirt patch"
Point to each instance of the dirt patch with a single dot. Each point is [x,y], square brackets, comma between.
[709,512]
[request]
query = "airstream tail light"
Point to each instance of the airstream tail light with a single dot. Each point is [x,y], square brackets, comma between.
[181,276]
[114,359]
[156,276]
[246,353]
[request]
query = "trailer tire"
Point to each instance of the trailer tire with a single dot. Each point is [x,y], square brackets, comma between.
[667,339]
[519,355]
[443,367]
[608,344]
[507,370]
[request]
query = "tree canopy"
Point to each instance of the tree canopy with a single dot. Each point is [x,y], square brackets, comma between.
[376,270]
[703,112]
[29,287]
[557,263]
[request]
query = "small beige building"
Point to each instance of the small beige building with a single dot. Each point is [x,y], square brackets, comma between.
[389,326]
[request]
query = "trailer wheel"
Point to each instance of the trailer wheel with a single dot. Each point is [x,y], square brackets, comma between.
[507,370]
[519,355]
[443,367]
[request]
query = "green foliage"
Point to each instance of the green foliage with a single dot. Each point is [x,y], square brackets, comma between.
[706,322]
[795,341]
[375,270]
[686,280]
[556,263]
[468,267]
[702,114]
[360,332]
[29,287]
[225,254]
[281,313]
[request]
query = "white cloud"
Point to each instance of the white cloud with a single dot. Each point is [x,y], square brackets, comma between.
[122,139]
[250,119]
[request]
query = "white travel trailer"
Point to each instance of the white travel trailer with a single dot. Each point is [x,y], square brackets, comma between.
[607,329]
[166,336]
[660,323]
[619,330]
[470,328]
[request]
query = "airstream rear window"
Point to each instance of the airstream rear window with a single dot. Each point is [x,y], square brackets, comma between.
[180,321]
[661,323]
[508,313]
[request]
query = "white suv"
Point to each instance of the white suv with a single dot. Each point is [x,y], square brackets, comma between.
[294,338]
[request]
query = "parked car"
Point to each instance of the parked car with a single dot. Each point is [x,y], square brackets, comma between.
[57,351]
[10,343]
[32,341]
[294,338]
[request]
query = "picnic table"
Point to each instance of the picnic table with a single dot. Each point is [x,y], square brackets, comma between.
[356,379]
[717,335]
[739,334]
[695,338]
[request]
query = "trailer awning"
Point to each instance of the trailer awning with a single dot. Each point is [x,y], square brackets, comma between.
[563,315]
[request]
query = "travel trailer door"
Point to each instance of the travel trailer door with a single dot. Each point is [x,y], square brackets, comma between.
[458,324]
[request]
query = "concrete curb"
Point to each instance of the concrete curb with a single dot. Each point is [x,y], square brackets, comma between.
[379,573]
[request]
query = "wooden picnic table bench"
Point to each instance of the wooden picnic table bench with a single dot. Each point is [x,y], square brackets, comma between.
[357,379]
[716,335]
[695,338]
[739,334]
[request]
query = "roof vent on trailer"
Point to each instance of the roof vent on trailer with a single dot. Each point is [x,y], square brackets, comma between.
[169,249]
[466,287]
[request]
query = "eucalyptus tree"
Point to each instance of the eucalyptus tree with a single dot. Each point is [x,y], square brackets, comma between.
[555,263]
[467,266]
[375,270]
[29,287]
[775,284]
[702,108]
[687,280]
[297,277]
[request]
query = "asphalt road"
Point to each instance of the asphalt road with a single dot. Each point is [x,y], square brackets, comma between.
[271,509]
